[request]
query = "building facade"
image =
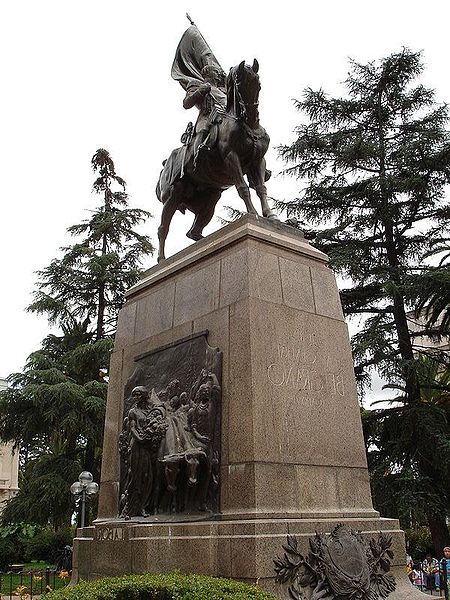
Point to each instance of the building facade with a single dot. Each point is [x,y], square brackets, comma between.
[9,467]
[425,343]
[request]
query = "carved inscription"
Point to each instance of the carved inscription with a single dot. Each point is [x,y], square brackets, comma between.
[298,369]
[109,534]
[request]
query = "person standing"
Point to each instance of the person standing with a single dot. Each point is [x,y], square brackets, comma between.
[445,571]
[430,567]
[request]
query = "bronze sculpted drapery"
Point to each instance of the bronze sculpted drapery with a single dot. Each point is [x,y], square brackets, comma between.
[170,440]
[226,144]
[143,429]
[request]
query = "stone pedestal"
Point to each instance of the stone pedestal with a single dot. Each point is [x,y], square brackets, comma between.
[292,451]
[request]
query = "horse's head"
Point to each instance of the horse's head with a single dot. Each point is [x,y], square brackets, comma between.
[243,88]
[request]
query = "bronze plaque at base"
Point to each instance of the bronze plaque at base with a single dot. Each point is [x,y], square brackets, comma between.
[291,459]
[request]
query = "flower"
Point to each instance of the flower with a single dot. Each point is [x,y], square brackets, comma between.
[64,574]
[21,590]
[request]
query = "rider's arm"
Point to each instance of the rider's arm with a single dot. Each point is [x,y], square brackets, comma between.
[195,96]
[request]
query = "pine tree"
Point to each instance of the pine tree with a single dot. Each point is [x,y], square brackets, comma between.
[397,435]
[90,280]
[55,408]
[376,164]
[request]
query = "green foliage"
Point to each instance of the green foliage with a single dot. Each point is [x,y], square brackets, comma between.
[12,541]
[432,290]
[374,166]
[23,530]
[44,489]
[9,552]
[434,298]
[173,586]
[47,545]
[89,282]
[54,410]
[54,400]
[409,450]
[25,542]
[418,542]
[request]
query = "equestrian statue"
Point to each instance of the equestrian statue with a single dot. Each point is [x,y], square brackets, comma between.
[226,143]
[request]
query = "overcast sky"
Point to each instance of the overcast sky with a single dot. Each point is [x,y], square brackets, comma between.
[96,73]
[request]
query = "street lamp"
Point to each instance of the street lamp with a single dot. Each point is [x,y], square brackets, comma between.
[84,489]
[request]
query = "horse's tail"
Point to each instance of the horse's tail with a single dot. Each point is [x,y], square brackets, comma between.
[158,187]
[170,172]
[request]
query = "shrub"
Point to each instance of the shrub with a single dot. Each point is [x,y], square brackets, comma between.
[8,552]
[12,537]
[47,545]
[418,542]
[171,586]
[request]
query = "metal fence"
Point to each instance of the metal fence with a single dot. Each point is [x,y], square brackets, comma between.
[28,584]
[432,584]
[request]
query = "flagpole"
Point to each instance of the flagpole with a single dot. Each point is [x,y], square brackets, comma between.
[203,37]
[194,25]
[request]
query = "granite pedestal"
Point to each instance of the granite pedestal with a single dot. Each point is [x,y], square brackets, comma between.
[292,451]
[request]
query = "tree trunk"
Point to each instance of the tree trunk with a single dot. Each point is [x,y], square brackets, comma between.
[439,532]
[399,313]
[412,387]
[101,297]
[100,314]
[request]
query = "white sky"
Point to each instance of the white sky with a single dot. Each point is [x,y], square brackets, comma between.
[81,75]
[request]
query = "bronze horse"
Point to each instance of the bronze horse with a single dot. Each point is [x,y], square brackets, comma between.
[197,185]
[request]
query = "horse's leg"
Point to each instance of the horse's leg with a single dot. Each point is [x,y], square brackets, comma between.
[233,164]
[257,172]
[205,214]
[169,208]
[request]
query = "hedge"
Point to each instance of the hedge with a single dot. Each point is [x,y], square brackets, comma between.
[47,545]
[171,586]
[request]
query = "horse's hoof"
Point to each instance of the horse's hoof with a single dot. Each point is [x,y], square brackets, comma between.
[161,258]
[194,236]
[272,216]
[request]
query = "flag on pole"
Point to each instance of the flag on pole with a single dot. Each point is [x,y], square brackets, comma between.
[192,54]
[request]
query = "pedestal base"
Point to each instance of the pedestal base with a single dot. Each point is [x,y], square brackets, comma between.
[239,549]
[292,457]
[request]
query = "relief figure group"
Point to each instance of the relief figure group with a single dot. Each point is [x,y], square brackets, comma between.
[169,449]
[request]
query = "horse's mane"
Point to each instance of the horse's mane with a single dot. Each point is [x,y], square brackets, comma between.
[235,103]
[230,87]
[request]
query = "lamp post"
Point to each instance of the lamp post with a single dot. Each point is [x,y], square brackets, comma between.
[84,489]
